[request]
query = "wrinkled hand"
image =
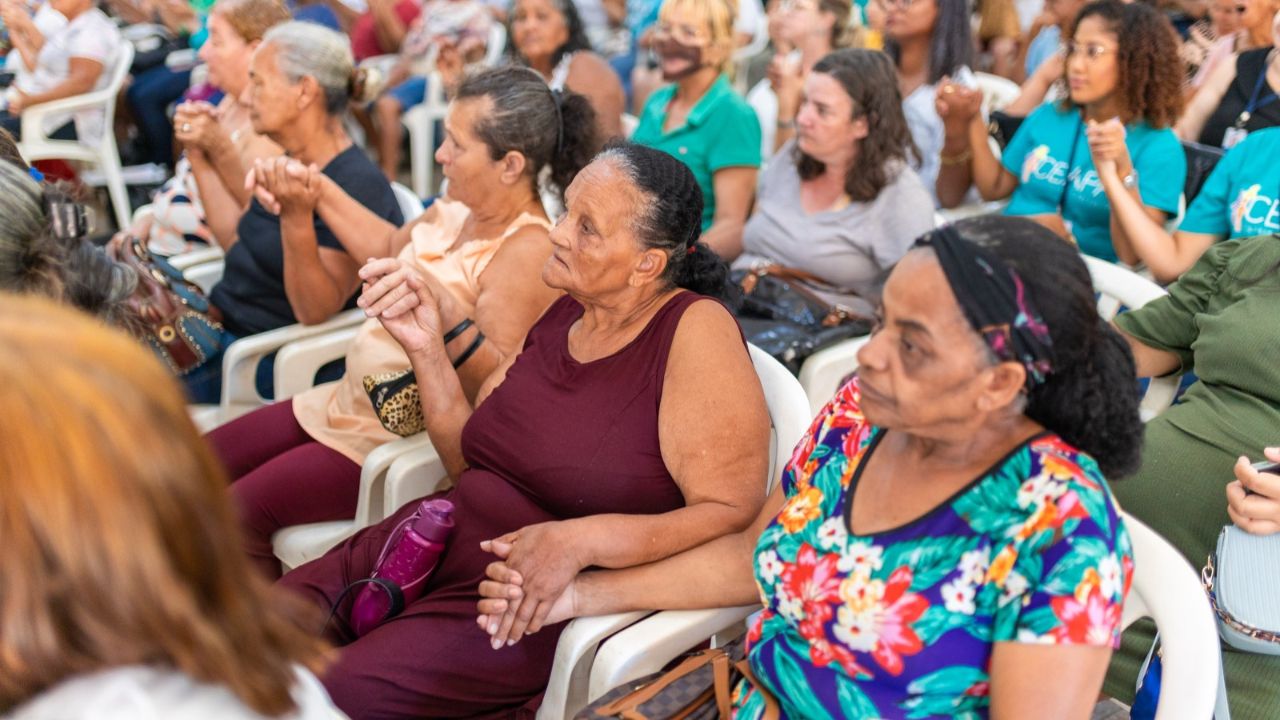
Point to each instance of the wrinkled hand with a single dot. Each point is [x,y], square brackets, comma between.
[785,78]
[539,562]
[283,184]
[196,125]
[1107,148]
[1253,499]
[957,105]
[405,302]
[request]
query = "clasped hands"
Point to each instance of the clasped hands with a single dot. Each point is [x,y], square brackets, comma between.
[531,584]
[197,126]
[282,184]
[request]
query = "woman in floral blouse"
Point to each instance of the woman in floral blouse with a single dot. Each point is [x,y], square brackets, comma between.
[943,543]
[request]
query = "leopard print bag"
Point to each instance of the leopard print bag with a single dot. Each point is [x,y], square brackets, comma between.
[396,402]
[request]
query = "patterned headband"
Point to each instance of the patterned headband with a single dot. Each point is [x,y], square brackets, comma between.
[995,302]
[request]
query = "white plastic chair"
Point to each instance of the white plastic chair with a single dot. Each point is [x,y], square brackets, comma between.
[996,91]
[573,674]
[421,119]
[1117,287]
[759,42]
[410,204]
[629,124]
[1167,590]
[102,152]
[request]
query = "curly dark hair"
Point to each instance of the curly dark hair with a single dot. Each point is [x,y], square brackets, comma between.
[672,218]
[548,127]
[871,82]
[951,44]
[576,41]
[1149,88]
[1091,397]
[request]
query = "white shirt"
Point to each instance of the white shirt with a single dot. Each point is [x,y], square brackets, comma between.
[150,693]
[91,35]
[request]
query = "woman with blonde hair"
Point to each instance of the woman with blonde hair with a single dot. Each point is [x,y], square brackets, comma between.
[699,119]
[122,585]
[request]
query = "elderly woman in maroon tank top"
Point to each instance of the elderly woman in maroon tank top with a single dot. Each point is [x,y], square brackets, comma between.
[630,427]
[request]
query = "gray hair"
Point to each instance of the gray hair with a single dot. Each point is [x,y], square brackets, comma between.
[29,256]
[73,270]
[305,49]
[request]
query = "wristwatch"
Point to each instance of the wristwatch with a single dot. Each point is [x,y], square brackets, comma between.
[1130,181]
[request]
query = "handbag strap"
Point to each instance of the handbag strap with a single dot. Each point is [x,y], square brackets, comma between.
[627,704]
[771,709]
[1207,578]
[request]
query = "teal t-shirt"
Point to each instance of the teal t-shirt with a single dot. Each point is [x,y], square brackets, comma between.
[1241,197]
[721,131]
[1050,150]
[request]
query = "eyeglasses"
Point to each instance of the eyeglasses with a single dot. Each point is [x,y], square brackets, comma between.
[683,34]
[904,4]
[1091,51]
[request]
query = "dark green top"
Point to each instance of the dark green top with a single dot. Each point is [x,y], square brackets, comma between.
[1222,320]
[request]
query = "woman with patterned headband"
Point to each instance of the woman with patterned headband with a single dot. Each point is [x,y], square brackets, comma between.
[943,539]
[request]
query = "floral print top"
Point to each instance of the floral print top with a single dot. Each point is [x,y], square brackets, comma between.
[900,624]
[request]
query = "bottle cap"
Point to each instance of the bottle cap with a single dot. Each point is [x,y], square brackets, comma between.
[435,520]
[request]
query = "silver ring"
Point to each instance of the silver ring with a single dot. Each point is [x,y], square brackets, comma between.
[186,127]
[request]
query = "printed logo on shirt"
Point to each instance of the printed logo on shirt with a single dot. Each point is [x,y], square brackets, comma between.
[1255,209]
[1043,166]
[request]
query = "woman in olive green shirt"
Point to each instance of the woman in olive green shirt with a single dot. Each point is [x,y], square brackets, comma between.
[1222,321]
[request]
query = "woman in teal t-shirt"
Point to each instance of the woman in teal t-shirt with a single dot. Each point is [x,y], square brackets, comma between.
[700,120]
[1240,199]
[1122,101]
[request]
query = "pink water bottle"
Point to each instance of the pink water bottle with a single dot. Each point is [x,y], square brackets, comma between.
[406,561]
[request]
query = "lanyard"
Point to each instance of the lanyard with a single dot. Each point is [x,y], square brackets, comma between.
[1254,102]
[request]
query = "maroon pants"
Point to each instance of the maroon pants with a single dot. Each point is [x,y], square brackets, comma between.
[281,477]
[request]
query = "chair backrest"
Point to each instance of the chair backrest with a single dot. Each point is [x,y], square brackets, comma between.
[629,124]
[410,204]
[996,91]
[1120,287]
[789,414]
[1167,589]
[1201,160]
[496,45]
[764,102]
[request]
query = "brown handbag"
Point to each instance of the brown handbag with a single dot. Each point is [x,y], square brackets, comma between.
[699,688]
[174,312]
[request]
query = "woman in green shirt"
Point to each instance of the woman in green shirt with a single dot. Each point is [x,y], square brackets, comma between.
[700,120]
[1219,321]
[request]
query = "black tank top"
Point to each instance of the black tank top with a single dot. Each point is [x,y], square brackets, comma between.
[1250,65]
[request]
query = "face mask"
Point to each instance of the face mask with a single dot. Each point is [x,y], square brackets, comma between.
[672,49]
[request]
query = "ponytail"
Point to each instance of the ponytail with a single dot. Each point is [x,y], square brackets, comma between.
[1090,398]
[578,139]
[1093,403]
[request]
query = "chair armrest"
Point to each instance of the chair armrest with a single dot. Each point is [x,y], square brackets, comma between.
[821,373]
[567,690]
[297,363]
[199,256]
[141,31]
[240,362]
[184,59]
[417,473]
[205,275]
[34,116]
[373,476]
[647,646]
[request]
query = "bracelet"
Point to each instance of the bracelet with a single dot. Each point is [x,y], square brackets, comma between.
[457,330]
[958,159]
[471,350]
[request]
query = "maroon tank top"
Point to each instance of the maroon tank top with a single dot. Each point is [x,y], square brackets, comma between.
[581,438]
